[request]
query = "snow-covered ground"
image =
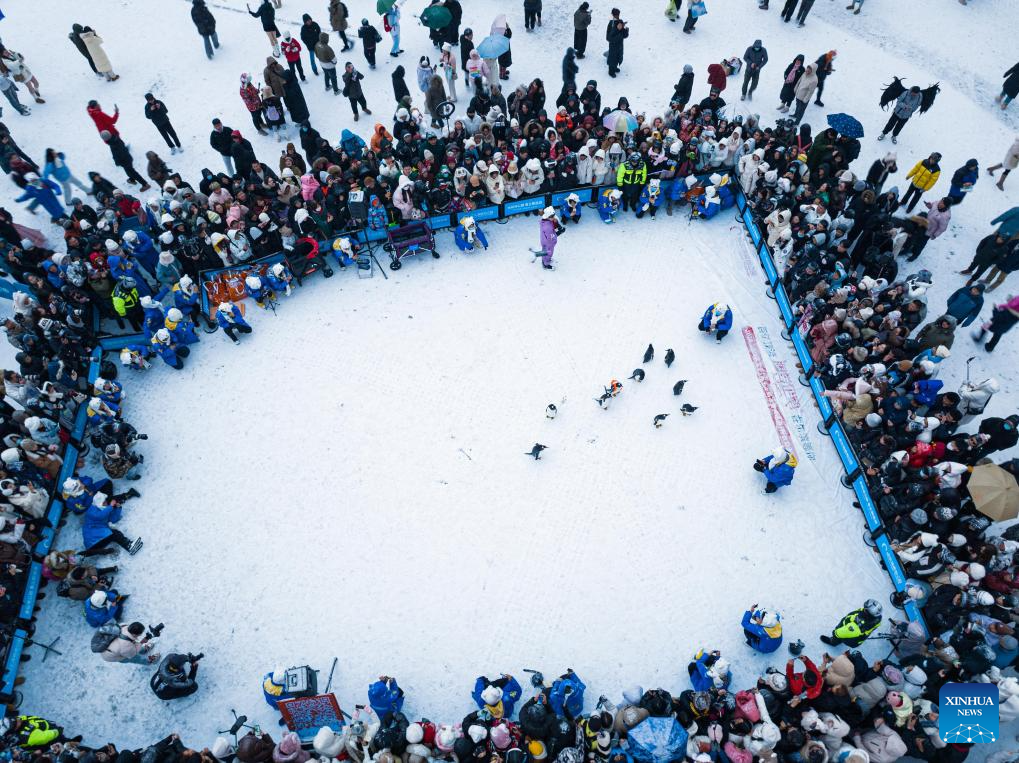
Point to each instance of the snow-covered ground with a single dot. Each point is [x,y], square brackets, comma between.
[351,482]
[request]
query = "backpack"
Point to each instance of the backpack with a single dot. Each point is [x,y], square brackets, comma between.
[105,635]
[385,23]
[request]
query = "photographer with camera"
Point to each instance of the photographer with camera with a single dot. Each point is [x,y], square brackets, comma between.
[175,677]
[127,643]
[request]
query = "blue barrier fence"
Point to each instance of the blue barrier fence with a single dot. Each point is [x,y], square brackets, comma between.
[54,514]
[830,424]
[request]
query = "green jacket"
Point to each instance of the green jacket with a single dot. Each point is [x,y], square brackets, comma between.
[124,300]
[627,176]
[854,628]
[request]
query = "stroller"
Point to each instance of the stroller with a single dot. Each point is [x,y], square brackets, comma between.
[407,240]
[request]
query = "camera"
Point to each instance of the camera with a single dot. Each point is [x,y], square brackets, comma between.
[195,657]
[141,437]
[155,631]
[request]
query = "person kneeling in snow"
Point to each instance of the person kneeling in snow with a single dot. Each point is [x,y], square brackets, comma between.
[608,204]
[344,251]
[103,607]
[778,467]
[708,670]
[279,278]
[650,199]
[570,209]
[135,357]
[718,319]
[182,330]
[468,235]
[710,204]
[762,629]
[259,291]
[231,319]
[167,349]
[175,677]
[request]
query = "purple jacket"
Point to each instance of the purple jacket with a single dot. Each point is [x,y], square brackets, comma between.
[548,237]
[937,221]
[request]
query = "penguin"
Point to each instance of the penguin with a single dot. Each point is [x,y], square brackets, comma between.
[649,353]
[688,409]
[551,411]
[638,374]
[659,419]
[669,357]
[677,388]
[536,451]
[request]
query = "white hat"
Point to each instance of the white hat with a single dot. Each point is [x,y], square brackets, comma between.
[491,695]
[572,198]
[73,486]
[277,269]
[615,193]
[779,456]
[225,307]
[548,213]
[769,619]
[130,236]
[165,238]
[10,455]
[477,733]
[125,356]
[32,423]
[976,571]
[279,675]
[467,222]
[415,733]
[174,315]
[163,335]
[253,282]
[984,598]
[327,742]
[98,599]
[110,245]
[221,748]
[166,218]
[928,540]
[95,404]
[147,301]
[715,179]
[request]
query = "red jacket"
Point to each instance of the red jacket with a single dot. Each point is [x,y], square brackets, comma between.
[925,454]
[716,77]
[104,121]
[291,50]
[798,683]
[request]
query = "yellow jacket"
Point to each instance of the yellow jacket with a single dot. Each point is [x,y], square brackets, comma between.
[922,177]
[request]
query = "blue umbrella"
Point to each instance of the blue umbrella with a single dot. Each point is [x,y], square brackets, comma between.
[846,125]
[493,46]
[657,740]
[620,121]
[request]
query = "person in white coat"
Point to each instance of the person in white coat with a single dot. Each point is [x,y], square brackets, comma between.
[533,176]
[974,396]
[94,44]
[1009,163]
[585,168]
[747,169]
[882,743]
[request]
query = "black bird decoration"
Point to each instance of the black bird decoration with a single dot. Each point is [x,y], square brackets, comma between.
[660,419]
[677,388]
[536,451]
[670,356]
[688,409]
[649,353]
[638,374]
[551,411]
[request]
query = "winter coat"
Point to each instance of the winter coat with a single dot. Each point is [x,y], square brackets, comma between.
[337,16]
[965,307]
[937,220]
[156,111]
[400,90]
[806,85]
[94,43]
[1007,222]
[95,526]
[293,96]
[273,74]
[291,50]
[352,84]
[764,640]
[124,647]
[924,175]
[756,58]
[932,335]
[104,121]
[683,88]
[882,744]
[289,750]
[46,193]
[548,237]
[324,52]
[1011,84]
[717,77]
[267,15]
[203,18]
[907,104]
[581,19]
